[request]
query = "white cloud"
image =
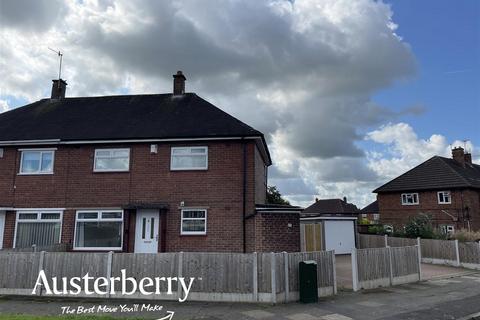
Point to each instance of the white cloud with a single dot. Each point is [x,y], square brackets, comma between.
[4,106]
[402,149]
[302,72]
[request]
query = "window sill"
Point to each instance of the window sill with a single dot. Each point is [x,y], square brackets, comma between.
[111,171]
[98,249]
[35,174]
[190,169]
[194,235]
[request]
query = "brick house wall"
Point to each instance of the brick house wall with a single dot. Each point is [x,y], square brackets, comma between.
[393,212]
[74,186]
[273,233]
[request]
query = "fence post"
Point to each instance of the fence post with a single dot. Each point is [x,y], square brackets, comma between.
[386,240]
[287,284]
[109,271]
[334,272]
[354,270]
[273,276]
[41,264]
[179,273]
[419,255]
[457,253]
[255,276]
[390,264]
[34,247]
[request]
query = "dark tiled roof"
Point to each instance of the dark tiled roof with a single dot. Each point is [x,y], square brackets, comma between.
[331,206]
[434,174]
[156,116]
[371,208]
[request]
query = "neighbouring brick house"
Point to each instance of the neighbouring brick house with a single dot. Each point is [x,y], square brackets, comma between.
[137,173]
[446,189]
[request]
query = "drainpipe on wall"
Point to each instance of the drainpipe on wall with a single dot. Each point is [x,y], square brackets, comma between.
[244,195]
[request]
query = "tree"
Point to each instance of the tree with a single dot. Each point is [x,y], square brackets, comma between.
[274,196]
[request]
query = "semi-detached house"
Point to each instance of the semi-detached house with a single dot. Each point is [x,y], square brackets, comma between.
[137,173]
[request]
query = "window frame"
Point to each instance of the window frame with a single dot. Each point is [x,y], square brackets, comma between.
[443,194]
[37,220]
[404,203]
[188,168]
[95,157]
[193,233]
[99,219]
[39,171]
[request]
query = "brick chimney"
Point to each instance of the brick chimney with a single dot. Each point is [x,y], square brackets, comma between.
[458,154]
[59,87]
[468,158]
[178,83]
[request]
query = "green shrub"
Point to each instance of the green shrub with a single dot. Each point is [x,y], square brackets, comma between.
[376,229]
[420,226]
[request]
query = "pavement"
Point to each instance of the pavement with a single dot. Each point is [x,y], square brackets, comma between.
[445,298]
[429,271]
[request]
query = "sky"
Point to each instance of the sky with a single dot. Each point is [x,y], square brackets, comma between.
[349,93]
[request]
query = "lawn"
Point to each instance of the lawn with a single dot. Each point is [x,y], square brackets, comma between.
[25,317]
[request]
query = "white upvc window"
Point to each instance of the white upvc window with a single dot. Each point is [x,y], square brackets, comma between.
[448,229]
[376,216]
[409,199]
[39,161]
[189,158]
[40,228]
[99,230]
[194,222]
[112,160]
[444,197]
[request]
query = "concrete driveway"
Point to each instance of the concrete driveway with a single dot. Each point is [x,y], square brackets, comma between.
[429,271]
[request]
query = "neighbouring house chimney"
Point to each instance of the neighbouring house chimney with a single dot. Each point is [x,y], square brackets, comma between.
[458,154]
[316,199]
[178,83]
[345,199]
[468,158]
[58,89]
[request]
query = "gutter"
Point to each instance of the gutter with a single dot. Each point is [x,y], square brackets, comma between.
[244,222]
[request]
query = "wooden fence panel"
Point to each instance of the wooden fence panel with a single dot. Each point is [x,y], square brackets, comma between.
[220,272]
[371,241]
[64,264]
[469,252]
[141,265]
[405,264]
[264,272]
[401,242]
[438,249]
[373,264]
[18,270]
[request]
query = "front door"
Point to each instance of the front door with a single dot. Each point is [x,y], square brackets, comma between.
[146,231]
[2,227]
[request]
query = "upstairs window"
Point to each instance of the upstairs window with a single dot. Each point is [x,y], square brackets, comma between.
[36,161]
[409,199]
[189,158]
[112,160]
[444,197]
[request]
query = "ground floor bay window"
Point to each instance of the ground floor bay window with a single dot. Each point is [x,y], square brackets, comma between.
[40,228]
[99,230]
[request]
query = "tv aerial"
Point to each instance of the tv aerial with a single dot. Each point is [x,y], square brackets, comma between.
[60,55]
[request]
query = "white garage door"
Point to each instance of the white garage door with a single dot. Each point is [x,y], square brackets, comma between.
[339,236]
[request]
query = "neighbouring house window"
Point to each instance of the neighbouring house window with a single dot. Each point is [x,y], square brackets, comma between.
[448,229]
[99,230]
[37,228]
[364,215]
[194,221]
[37,161]
[111,160]
[409,199]
[376,216]
[444,197]
[189,158]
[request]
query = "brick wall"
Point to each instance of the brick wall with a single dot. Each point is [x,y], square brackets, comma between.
[74,185]
[272,233]
[393,212]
